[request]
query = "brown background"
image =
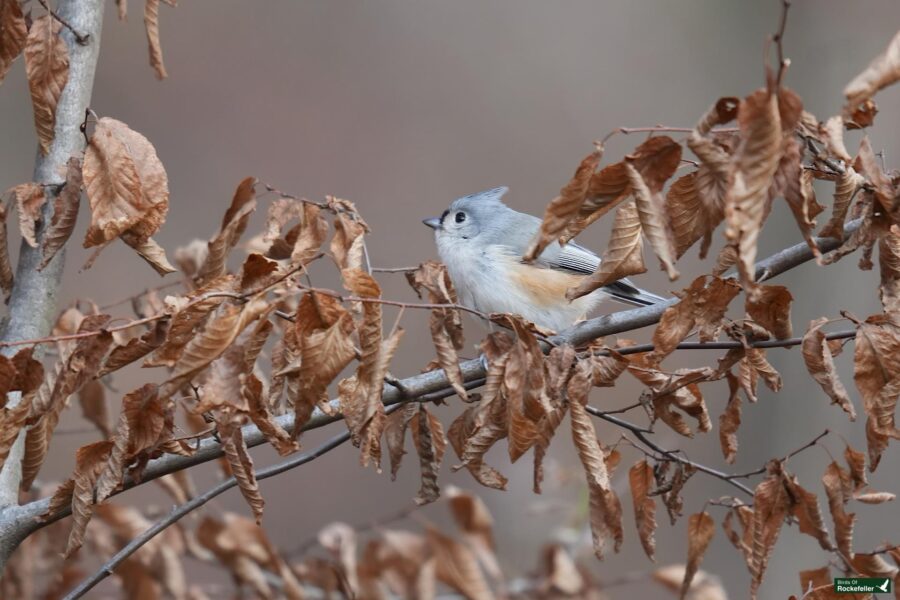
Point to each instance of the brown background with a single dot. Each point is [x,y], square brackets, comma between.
[402,106]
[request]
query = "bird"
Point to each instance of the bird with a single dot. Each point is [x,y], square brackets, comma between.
[481,241]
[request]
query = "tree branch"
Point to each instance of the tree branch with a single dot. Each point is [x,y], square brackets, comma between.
[32,305]
[19,522]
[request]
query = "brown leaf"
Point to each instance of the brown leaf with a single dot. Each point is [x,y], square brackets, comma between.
[730,420]
[349,228]
[702,305]
[430,443]
[326,348]
[471,448]
[889,265]
[47,67]
[771,308]
[29,199]
[12,421]
[135,348]
[756,160]
[820,364]
[653,222]
[65,212]
[564,208]
[127,188]
[640,479]
[605,509]
[223,327]
[146,420]
[6,270]
[687,215]
[243,203]
[857,462]
[13,32]
[457,567]
[89,461]
[703,585]
[875,497]
[876,365]
[623,256]
[881,72]
[151,24]
[805,508]
[845,188]
[241,464]
[770,507]
[701,529]
[361,395]
[837,487]
[473,518]
[92,399]
[261,415]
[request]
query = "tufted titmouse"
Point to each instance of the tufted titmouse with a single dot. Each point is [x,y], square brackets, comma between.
[481,241]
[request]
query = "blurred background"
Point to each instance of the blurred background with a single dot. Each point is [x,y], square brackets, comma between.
[402,106]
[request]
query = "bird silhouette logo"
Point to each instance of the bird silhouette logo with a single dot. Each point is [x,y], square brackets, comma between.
[884,586]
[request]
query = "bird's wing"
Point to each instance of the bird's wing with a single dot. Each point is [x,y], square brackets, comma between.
[580,260]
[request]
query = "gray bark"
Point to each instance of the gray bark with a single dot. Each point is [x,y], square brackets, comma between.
[32,305]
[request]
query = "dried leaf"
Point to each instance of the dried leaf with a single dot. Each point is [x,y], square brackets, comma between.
[770,507]
[875,497]
[349,228]
[756,160]
[771,308]
[235,449]
[845,188]
[6,270]
[837,487]
[653,222]
[820,364]
[857,462]
[127,188]
[702,305]
[13,32]
[65,212]
[805,508]
[151,24]
[135,348]
[881,72]
[730,420]
[89,461]
[562,209]
[623,256]
[471,448]
[606,511]
[29,199]
[47,67]
[457,567]
[243,203]
[473,518]
[92,399]
[889,265]
[701,528]
[640,479]
[428,437]
[876,365]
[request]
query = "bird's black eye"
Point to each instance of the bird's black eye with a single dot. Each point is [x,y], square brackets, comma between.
[460,217]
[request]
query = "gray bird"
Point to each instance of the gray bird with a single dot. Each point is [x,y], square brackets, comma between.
[481,241]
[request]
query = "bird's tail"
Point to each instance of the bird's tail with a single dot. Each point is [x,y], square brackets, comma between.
[628,293]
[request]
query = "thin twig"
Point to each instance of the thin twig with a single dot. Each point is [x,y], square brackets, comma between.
[182,510]
[393,269]
[661,129]
[779,41]
[791,454]
[796,341]
[82,39]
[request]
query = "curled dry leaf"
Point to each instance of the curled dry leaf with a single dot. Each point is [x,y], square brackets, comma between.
[640,479]
[13,32]
[771,308]
[805,508]
[238,457]
[470,445]
[881,72]
[876,370]
[457,566]
[29,199]
[127,188]
[756,160]
[838,490]
[701,528]
[845,188]
[349,229]
[624,254]
[65,212]
[606,510]
[151,24]
[875,497]
[89,461]
[889,266]
[730,420]
[820,364]
[430,443]
[565,207]
[653,222]
[47,67]
[770,507]
[243,203]
[473,518]
[6,270]
[702,305]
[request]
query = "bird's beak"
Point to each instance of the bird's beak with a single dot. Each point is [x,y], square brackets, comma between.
[433,222]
